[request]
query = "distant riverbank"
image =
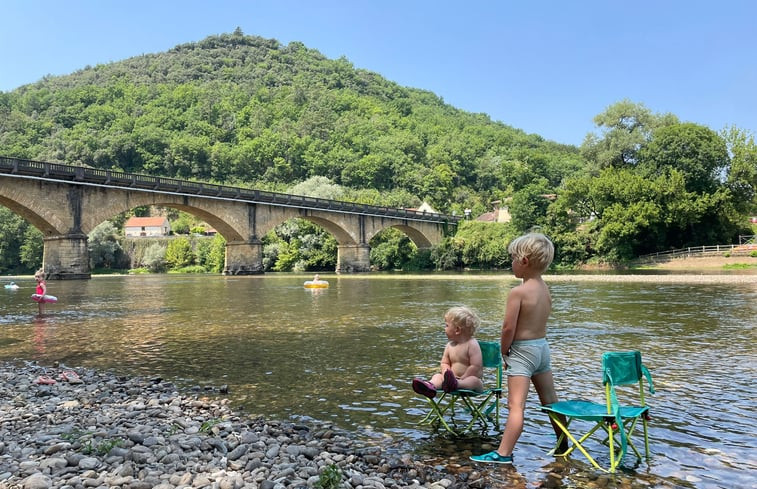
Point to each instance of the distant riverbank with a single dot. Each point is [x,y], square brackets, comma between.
[715,269]
[704,263]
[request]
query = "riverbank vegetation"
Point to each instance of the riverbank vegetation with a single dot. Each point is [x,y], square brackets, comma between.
[246,111]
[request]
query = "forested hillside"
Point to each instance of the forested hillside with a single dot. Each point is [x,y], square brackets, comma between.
[245,110]
[248,111]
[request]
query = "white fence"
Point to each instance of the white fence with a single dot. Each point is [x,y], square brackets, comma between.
[715,250]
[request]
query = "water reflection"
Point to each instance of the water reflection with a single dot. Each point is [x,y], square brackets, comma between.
[347,354]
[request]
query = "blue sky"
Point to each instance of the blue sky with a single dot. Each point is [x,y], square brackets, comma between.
[547,67]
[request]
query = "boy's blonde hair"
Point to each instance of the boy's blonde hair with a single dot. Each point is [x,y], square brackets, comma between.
[463,318]
[536,247]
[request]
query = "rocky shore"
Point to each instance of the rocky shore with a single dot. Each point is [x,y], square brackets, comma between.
[105,431]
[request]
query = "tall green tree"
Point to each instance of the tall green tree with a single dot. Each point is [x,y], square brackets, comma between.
[217,254]
[391,250]
[103,245]
[625,127]
[698,152]
[529,205]
[179,253]
[12,232]
[32,249]
[154,258]
[480,245]
[742,177]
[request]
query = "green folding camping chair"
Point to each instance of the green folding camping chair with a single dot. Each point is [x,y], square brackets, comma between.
[483,407]
[617,422]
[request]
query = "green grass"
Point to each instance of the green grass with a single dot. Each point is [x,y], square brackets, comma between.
[208,425]
[190,269]
[139,271]
[89,445]
[738,266]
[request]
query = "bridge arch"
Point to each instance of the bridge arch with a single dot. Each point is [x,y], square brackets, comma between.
[67,202]
[48,224]
[419,239]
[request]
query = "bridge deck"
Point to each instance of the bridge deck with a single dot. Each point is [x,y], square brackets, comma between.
[117,179]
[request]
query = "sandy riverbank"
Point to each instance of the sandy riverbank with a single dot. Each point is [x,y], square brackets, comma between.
[736,270]
[705,263]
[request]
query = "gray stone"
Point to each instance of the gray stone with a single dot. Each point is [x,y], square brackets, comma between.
[238,452]
[161,444]
[38,481]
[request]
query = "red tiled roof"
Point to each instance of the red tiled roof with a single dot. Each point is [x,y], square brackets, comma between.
[145,222]
[488,217]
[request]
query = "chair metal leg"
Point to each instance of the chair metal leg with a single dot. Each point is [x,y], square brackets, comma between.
[611,435]
[629,441]
[577,443]
[477,412]
[443,407]
[436,415]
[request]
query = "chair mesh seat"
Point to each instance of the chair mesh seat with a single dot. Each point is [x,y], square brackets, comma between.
[591,411]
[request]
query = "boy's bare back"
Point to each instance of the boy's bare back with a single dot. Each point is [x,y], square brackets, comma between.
[528,307]
[529,304]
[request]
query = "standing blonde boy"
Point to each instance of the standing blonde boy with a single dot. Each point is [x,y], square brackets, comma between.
[523,341]
[462,363]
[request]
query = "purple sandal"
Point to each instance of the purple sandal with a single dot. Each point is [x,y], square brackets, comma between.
[424,388]
[450,381]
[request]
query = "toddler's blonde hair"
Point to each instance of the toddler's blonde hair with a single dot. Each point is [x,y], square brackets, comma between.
[463,318]
[536,247]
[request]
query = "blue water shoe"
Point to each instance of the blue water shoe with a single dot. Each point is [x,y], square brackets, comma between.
[493,457]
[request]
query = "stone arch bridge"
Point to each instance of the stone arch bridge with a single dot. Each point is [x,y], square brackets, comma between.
[66,203]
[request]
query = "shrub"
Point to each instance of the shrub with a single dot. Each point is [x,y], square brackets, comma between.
[155,257]
[190,269]
[330,477]
[179,253]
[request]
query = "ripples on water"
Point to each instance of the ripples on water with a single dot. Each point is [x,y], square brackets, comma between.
[347,355]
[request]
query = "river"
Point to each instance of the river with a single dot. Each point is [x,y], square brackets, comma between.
[347,354]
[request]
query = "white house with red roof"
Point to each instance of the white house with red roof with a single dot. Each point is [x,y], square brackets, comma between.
[137,227]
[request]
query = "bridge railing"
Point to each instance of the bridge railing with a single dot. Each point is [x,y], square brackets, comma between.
[96,176]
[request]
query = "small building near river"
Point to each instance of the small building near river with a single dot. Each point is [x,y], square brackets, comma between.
[144,227]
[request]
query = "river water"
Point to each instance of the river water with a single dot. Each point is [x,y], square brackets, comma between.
[347,354]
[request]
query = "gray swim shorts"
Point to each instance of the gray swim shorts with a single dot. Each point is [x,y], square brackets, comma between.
[528,358]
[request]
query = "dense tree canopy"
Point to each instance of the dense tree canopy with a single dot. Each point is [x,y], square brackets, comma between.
[665,185]
[248,111]
[245,110]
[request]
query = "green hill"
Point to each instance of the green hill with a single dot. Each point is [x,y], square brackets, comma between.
[249,111]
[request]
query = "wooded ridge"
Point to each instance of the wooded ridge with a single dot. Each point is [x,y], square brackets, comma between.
[245,111]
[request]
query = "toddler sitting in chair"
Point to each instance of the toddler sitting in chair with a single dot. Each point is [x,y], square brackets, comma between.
[462,363]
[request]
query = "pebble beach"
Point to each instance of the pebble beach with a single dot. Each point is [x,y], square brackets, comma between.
[108,431]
